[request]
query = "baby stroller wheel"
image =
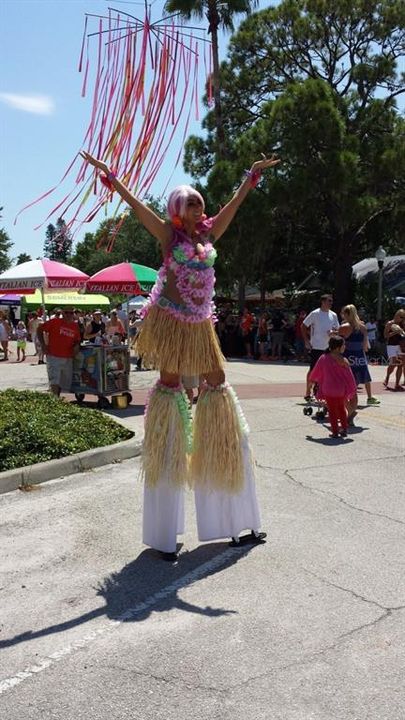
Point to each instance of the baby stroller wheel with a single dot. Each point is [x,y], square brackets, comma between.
[307,411]
[321,415]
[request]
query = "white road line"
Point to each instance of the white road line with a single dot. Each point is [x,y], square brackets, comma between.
[111,625]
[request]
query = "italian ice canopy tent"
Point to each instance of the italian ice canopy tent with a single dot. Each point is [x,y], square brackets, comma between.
[129,278]
[72,299]
[42,274]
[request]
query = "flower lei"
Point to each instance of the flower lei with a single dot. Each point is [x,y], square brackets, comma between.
[195,280]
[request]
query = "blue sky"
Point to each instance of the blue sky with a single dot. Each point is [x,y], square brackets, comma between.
[43,118]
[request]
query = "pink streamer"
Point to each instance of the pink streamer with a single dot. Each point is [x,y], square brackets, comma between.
[137,110]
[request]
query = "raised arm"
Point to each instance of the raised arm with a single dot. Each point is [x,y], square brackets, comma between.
[227,213]
[152,222]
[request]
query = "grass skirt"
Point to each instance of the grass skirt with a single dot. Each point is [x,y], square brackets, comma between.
[168,437]
[220,429]
[178,347]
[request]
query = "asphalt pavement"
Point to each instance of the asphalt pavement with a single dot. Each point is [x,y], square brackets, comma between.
[309,626]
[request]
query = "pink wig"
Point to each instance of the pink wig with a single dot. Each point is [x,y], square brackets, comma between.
[177,202]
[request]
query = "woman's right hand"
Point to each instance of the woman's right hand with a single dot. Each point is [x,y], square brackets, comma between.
[99,164]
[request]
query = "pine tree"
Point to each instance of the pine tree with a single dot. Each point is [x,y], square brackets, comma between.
[58,242]
[49,243]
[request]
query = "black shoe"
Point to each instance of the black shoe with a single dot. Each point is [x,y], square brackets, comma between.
[169,557]
[343,434]
[254,538]
[335,436]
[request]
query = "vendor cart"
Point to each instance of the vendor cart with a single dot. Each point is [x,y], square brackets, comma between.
[101,370]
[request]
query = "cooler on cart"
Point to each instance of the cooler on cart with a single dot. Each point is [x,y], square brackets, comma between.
[102,370]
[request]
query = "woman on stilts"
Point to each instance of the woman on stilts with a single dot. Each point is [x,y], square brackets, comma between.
[178,338]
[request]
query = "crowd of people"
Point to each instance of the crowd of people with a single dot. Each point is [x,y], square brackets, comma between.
[57,337]
[280,334]
[254,335]
[271,335]
[100,327]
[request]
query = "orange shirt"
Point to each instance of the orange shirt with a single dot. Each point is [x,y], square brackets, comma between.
[62,336]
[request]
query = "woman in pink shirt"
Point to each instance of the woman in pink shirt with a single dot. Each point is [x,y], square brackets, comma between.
[336,384]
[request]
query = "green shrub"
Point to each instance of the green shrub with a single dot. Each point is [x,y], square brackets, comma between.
[35,427]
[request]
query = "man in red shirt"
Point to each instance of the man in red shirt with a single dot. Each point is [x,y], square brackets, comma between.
[62,345]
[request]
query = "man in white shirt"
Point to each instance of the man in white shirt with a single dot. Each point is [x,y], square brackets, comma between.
[316,329]
[371,327]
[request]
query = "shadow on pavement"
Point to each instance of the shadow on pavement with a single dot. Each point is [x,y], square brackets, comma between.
[330,440]
[149,584]
[139,582]
[131,411]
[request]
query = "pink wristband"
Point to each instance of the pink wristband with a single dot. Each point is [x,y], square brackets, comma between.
[254,177]
[106,180]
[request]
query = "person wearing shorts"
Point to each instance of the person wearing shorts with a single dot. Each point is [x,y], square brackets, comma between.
[63,343]
[4,334]
[21,334]
[394,334]
[316,329]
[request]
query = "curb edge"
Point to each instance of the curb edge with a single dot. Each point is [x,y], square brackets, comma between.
[52,469]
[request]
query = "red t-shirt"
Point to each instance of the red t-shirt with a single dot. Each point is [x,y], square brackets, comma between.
[246,323]
[298,327]
[62,336]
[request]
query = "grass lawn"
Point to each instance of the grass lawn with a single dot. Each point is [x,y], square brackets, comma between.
[35,426]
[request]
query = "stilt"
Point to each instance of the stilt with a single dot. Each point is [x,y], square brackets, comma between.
[165,463]
[222,469]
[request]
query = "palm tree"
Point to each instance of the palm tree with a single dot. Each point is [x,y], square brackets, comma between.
[218,14]
[22,258]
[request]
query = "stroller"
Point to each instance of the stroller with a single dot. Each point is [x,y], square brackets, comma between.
[313,403]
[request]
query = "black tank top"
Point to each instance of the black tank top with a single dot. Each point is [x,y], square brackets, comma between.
[96,328]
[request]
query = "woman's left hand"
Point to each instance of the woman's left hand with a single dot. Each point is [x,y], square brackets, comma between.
[260,165]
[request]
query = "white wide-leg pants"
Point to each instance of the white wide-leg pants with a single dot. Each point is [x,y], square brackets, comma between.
[225,515]
[163,516]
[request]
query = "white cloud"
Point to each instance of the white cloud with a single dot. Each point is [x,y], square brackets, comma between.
[39,104]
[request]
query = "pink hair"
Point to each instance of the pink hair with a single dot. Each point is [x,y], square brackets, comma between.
[177,202]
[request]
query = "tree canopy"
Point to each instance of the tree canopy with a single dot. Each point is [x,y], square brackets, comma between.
[133,244]
[58,242]
[22,258]
[319,80]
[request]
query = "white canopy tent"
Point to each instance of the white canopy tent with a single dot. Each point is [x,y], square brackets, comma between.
[135,303]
